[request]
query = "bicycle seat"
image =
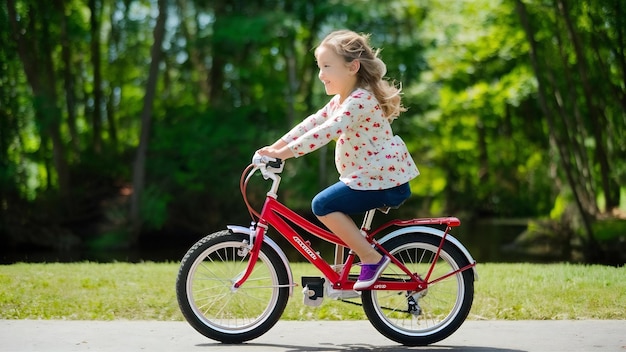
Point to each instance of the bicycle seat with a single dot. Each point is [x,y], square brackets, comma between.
[385,210]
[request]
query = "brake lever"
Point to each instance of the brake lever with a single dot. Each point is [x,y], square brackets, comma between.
[275,165]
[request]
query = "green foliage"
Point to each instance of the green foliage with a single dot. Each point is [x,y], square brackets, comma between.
[610,229]
[154,207]
[475,68]
[494,133]
[560,205]
[195,160]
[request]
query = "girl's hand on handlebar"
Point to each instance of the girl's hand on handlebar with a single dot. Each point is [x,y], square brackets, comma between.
[283,153]
[270,163]
[264,150]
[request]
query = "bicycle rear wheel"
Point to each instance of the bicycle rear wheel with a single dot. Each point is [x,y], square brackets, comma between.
[429,316]
[207,299]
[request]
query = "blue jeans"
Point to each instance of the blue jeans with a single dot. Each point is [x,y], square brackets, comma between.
[344,199]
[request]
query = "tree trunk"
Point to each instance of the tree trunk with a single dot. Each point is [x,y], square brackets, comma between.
[621,43]
[115,86]
[216,73]
[41,78]
[94,7]
[543,102]
[139,165]
[483,154]
[111,124]
[596,116]
[68,79]
[572,127]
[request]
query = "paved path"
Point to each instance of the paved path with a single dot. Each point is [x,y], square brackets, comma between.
[290,336]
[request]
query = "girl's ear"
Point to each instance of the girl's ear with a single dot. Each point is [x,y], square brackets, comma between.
[355,65]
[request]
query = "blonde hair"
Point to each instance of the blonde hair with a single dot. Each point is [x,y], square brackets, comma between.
[353,46]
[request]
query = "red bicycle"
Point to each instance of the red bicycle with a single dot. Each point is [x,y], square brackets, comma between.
[233,285]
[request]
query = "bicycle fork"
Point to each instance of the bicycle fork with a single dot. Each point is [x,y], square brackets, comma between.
[253,248]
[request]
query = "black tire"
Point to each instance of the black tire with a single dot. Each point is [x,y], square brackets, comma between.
[441,309]
[207,299]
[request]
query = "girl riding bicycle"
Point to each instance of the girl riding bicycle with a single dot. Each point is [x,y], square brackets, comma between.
[374,165]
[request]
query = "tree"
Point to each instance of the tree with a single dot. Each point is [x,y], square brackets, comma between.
[509,116]
[32,34]
[139,165]
[95,9]
[573,109]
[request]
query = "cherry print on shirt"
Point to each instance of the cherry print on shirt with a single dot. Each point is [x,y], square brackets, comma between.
[357,156]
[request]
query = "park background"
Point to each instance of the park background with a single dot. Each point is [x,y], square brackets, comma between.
[125,125]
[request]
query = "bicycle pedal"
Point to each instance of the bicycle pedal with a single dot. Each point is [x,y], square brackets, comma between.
[340,294]
[313,290]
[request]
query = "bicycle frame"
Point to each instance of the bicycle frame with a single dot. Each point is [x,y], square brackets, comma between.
[276,215]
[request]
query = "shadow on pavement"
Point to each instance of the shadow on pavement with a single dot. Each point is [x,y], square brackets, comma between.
[360,347]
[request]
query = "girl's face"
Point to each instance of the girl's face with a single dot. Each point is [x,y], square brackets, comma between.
[338,76]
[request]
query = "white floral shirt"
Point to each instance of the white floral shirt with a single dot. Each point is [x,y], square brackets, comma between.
[367,154]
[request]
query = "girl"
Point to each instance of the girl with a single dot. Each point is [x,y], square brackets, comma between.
[374,165]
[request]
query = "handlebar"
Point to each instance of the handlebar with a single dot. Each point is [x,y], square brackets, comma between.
[269,168]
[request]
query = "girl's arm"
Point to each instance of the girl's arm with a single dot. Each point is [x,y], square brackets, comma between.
[278,144]
[310,122]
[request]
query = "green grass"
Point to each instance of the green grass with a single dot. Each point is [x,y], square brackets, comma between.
[145,291]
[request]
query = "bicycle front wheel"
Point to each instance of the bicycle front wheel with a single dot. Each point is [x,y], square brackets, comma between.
[425,317]
[207,299]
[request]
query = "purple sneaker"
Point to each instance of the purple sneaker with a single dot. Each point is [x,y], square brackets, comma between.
[370,273]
